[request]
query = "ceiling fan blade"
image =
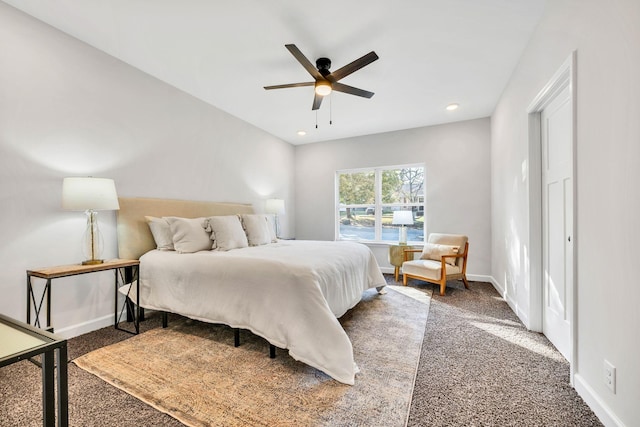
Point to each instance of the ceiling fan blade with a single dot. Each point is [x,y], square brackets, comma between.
[354,66]
[317,100]
[290,85]
[304,61]
[351,90]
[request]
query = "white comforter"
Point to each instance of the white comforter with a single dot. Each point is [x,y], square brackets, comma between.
[289,293]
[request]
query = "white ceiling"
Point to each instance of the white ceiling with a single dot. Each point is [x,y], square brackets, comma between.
[432,53]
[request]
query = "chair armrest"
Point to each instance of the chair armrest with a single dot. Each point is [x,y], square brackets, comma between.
[462,255]
[442,258]
[409,251]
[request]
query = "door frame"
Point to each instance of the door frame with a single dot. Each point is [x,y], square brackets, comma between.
[563,78]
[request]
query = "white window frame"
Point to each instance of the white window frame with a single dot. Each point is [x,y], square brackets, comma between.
[378,205]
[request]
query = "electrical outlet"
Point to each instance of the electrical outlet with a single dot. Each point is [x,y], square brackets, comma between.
[610,376]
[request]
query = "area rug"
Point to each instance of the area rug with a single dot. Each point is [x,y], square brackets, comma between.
[192,371]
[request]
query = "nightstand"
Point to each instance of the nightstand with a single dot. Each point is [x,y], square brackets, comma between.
[396,257]
[126,271]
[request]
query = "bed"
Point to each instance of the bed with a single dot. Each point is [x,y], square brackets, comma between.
[286,291]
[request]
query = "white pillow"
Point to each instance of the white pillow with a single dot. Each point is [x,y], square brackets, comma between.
[189,235]
[161,231]
[226,232]
[258,229]
[435,251]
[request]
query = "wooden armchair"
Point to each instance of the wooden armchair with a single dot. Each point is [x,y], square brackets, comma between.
[444,257]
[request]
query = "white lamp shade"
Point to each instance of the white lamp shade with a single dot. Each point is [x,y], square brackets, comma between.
[81,194]
[402,218]
[274,206]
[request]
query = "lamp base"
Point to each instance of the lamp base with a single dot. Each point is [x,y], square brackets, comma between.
[92,262]
[402,238]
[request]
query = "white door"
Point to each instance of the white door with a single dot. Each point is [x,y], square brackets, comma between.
[557,221]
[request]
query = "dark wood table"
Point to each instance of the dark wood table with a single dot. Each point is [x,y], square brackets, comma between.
[126,271]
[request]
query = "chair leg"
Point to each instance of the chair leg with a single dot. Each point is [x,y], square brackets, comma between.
[466,284]
[443,286]
[404,279]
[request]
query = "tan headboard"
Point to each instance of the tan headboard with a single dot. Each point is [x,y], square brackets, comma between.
[134,236]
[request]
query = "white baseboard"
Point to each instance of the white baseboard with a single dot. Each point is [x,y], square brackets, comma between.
[501,291]
[472,277]
[479,278]
[513,304]
[498,286]
[602,411]
[85,327]
[591,398]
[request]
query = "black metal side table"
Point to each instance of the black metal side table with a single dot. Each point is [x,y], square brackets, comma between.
[19,341]
[126,271]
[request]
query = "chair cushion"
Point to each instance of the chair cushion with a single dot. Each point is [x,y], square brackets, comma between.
[458,240]
[434,251]
[448,239]
[429,269]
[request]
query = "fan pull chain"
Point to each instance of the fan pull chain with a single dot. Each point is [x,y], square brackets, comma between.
[316,119]
[331,108]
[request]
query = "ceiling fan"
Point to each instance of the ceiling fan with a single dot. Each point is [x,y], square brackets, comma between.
[325,80]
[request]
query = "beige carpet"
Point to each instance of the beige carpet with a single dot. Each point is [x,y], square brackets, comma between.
[192,372]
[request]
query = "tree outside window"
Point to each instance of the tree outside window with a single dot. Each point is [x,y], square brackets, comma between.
[367,199]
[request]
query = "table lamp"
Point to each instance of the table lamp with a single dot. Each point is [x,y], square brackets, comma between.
[402,218]
[275,207]
[90,195]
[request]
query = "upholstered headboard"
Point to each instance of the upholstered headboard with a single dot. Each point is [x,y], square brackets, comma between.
[134,236]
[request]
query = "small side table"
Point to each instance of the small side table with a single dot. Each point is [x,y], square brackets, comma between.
[126,271]
[19,341]
[396,257]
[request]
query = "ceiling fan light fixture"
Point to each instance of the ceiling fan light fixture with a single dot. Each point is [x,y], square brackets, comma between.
[323,88]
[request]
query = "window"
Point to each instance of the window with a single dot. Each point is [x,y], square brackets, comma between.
[367,198]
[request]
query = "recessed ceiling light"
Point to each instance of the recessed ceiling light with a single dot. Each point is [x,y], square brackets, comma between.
[452,107]
[302,133]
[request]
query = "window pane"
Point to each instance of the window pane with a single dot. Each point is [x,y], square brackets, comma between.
[389,231]
[365,196]
[403,185]
[357,188]
[357,223]
[415,232]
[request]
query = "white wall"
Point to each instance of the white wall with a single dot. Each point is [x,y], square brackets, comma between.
[605,35]
[66,109]
[457,160]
